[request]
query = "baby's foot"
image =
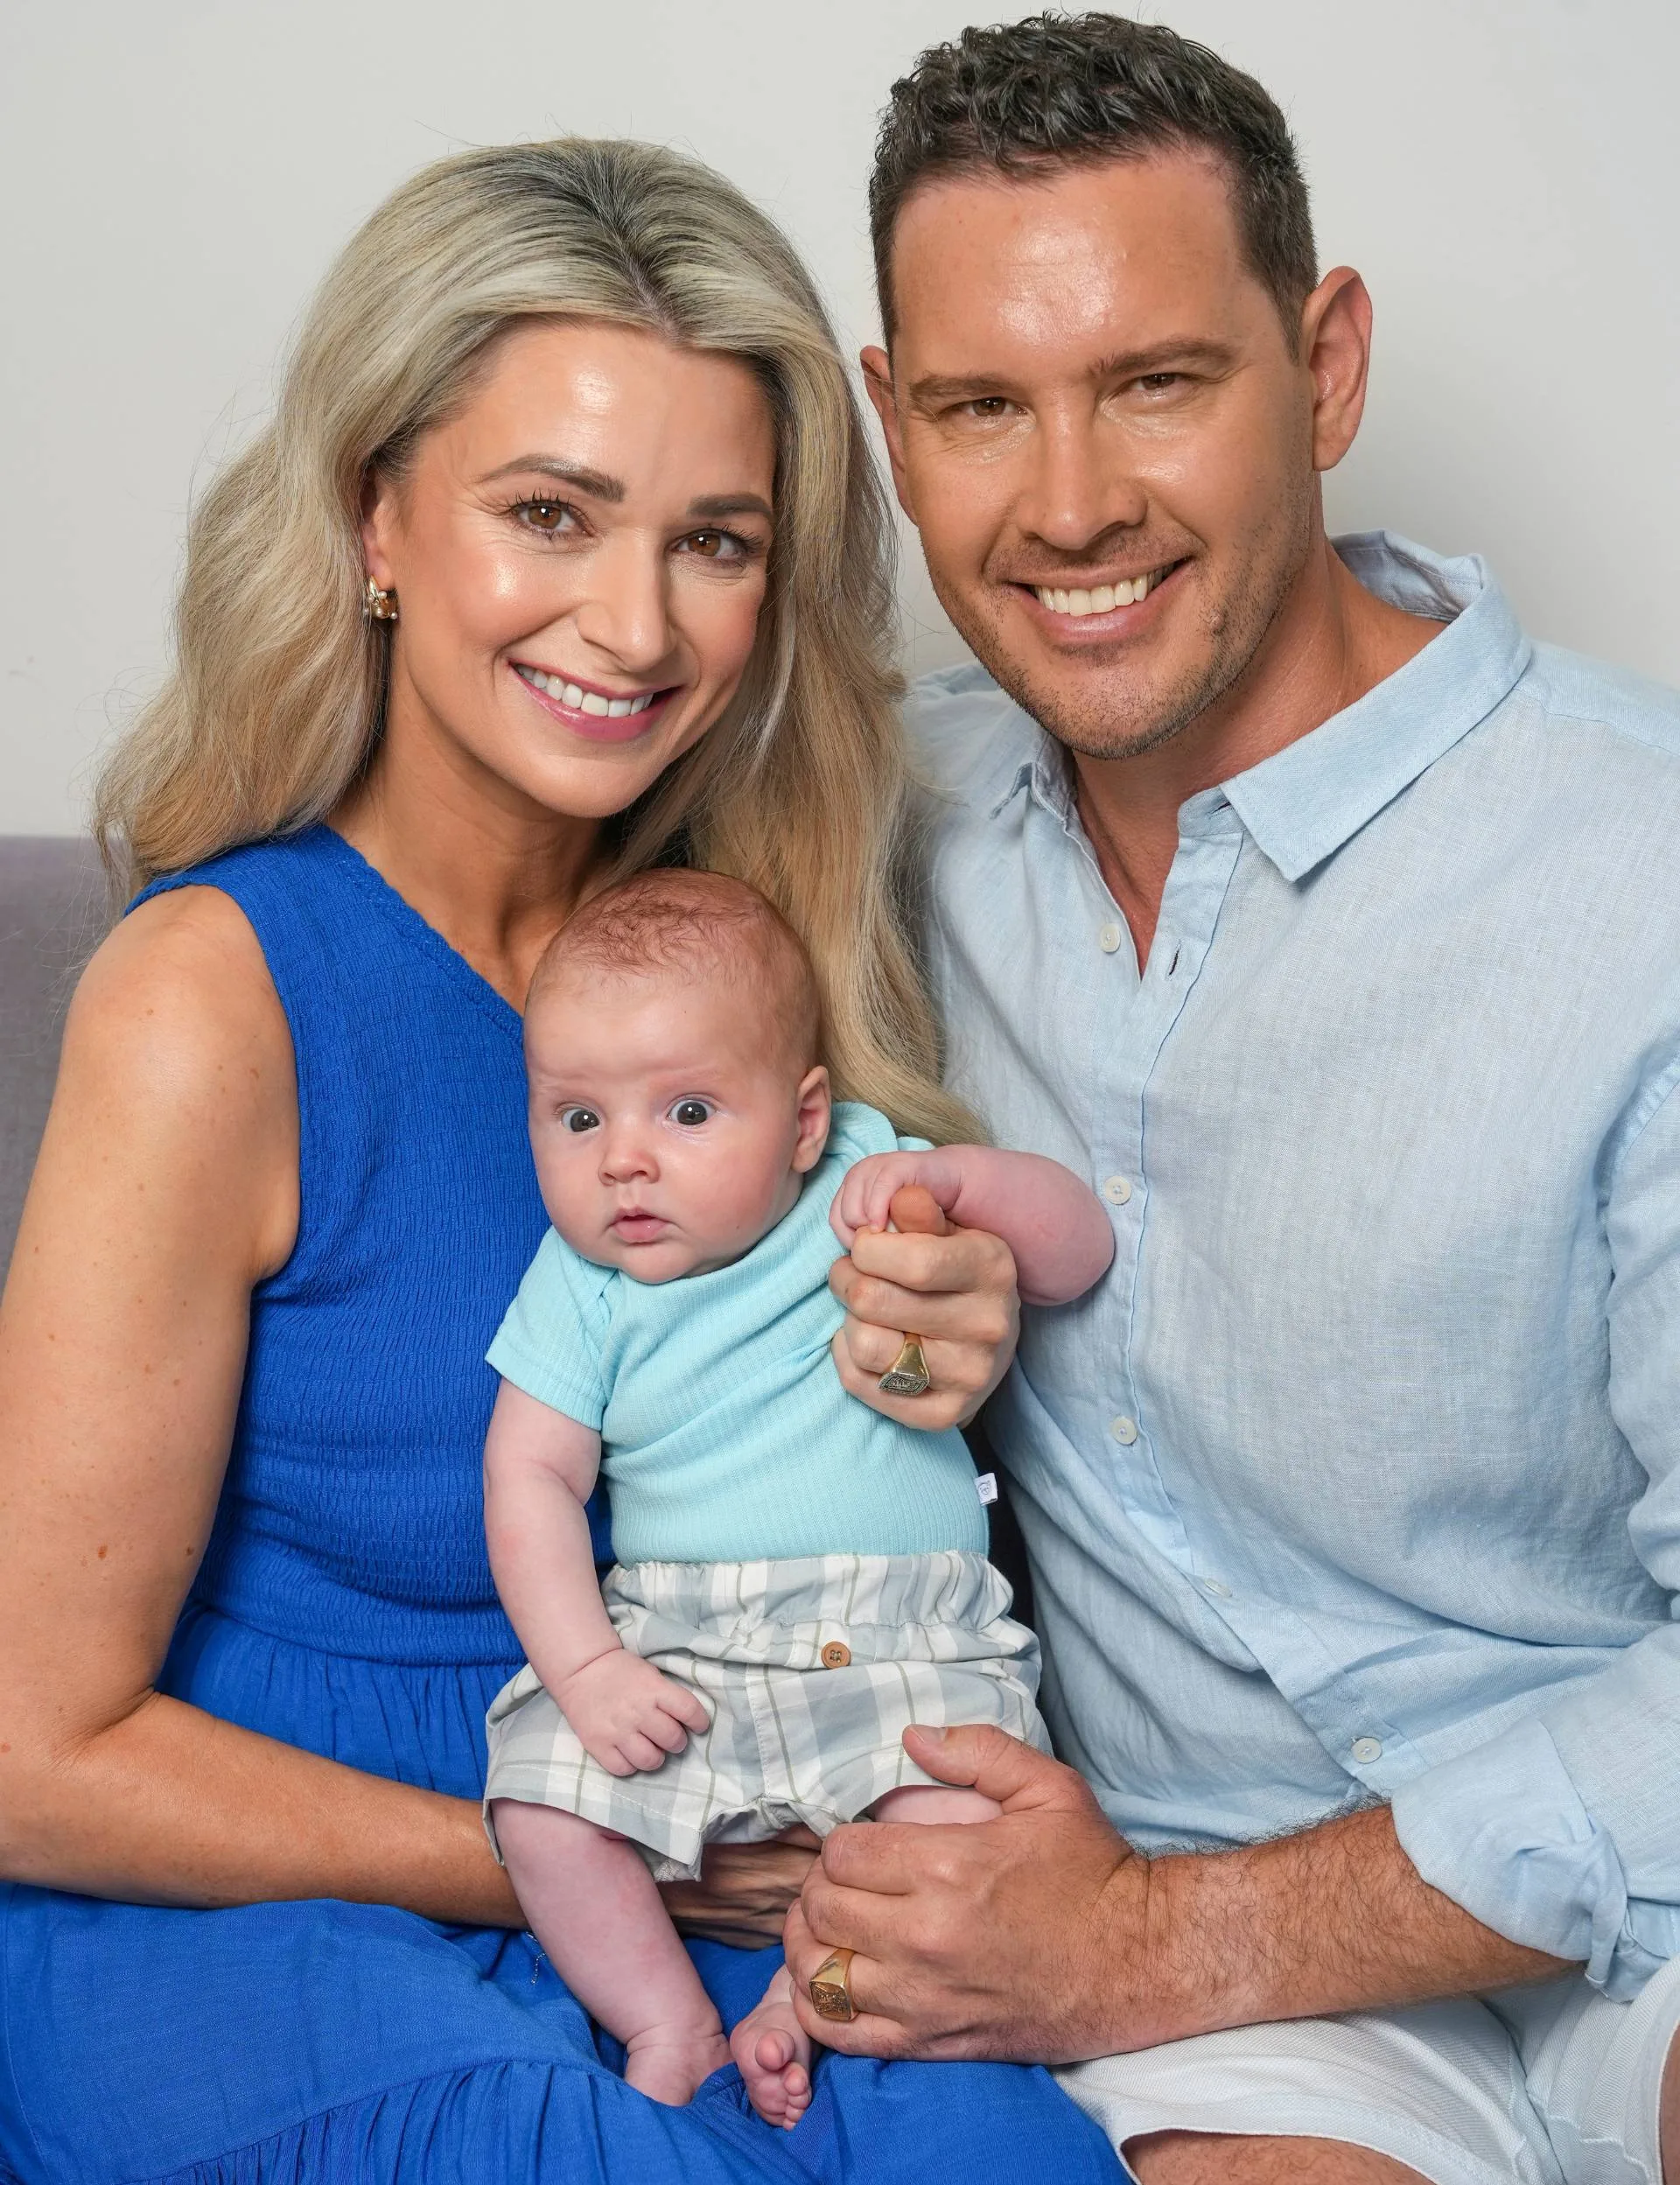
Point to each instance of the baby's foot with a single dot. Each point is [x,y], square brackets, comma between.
[668,2064]
[774,2053]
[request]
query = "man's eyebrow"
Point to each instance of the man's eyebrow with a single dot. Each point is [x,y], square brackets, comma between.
[1159,356]
[596,484]
[933,387]
[1128,364]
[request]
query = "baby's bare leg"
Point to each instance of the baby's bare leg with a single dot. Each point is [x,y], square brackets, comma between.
[593,1906]
[770,2046]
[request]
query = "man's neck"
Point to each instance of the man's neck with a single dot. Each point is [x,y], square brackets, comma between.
[1332,642]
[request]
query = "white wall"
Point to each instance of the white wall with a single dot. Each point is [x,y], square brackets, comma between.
[175,175]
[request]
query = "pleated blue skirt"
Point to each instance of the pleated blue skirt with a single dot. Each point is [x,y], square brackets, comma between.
[325,2043]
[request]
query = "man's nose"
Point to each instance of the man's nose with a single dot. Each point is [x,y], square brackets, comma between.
[1079,485]
[625,616]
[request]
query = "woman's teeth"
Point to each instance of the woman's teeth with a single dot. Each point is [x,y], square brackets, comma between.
[582,701]
[1126,593]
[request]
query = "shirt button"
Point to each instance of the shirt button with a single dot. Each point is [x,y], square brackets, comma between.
[1108,939]
[1365,1749]
[1117,1189]
[837,1655]
[1216,1587]
[1123,1429]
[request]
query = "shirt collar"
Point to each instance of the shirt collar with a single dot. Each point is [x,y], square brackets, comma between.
[1304,801]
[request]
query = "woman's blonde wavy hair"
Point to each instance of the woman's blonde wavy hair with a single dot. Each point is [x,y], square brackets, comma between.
[275,704]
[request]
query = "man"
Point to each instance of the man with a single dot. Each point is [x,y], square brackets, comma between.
[1333,929]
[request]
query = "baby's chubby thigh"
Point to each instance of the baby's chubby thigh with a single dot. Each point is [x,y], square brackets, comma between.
[936,1805]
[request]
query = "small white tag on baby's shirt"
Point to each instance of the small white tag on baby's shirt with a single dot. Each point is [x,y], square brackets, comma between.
[986,1487]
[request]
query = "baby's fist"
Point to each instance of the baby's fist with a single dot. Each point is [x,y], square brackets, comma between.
[627,1714]
[864,1199]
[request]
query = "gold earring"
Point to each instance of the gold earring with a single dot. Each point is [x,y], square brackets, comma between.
[377,605]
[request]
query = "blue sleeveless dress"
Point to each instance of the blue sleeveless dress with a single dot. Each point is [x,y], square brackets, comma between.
[344,1604]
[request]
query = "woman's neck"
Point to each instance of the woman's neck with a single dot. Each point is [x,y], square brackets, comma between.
[496,874]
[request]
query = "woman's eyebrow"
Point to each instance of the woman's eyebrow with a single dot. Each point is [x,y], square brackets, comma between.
[599,487]
[731,505]
[595,483]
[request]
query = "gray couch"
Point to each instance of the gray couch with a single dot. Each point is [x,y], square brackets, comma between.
[53,911]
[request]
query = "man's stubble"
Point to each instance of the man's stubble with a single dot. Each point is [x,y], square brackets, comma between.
[1112,724]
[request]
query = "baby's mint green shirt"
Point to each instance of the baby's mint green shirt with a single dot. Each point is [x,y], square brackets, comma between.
[725,1432]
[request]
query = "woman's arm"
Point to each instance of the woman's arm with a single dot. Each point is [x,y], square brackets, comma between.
[167,1186]
[1054,1225]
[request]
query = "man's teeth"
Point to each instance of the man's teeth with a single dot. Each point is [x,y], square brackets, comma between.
[582,701]
[1126,593]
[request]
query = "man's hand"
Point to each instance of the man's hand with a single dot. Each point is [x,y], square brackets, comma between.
[1041,1936]
[957,1291]
[1025,1937]
[627,1714]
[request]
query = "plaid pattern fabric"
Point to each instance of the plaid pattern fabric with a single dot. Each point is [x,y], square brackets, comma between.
[812,1667]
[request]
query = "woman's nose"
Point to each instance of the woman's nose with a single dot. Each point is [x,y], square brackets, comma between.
[626,615]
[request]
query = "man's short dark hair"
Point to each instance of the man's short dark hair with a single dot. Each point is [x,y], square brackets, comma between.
[1059,90]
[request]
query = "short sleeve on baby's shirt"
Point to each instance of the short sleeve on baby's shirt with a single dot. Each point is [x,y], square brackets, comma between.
[551,1341]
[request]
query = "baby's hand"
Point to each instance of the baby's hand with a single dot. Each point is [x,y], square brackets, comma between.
[627,1714]
[864,1199]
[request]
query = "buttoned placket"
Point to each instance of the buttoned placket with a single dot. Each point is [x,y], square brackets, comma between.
[1129,1041]
[1211,838]
[1210,842]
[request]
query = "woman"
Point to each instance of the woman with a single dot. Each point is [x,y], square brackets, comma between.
[562,555]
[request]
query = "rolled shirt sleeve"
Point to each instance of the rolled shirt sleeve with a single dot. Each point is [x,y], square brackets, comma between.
[1564,1832]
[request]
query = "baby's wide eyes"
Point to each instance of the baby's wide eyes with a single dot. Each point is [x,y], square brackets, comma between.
[580,1119]
[691,1113]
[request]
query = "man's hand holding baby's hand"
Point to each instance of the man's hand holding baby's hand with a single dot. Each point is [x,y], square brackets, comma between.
[628,1715]
[956,1290]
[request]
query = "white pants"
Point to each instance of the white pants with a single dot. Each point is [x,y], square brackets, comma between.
[1550,2085]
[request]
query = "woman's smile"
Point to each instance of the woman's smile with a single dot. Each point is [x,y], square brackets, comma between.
[609,716]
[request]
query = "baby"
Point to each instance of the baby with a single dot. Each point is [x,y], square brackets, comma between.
[798,1576]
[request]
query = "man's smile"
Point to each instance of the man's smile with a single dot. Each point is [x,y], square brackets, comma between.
[1110,608]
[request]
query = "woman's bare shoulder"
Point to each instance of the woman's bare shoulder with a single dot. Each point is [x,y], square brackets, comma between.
[175,1042]
[183,972]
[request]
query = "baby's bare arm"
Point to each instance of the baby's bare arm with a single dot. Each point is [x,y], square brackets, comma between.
[1053,1223]
[539,1467]
[539,1470]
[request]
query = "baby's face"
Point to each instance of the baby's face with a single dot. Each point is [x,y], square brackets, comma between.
[670,1127]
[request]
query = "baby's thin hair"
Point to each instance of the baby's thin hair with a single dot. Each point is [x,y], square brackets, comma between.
[671,919]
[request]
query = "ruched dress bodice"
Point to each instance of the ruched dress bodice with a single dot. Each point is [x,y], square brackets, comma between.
[344,1604]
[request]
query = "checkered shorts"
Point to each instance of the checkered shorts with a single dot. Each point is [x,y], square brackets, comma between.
[812,1667]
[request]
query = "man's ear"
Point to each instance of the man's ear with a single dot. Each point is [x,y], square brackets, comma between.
[815,1114]
[1336,350]
[878,378]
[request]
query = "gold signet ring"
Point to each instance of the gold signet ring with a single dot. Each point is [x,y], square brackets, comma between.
[829,1991]
[908,1374]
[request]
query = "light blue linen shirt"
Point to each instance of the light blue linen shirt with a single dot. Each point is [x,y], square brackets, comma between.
[1358,1477]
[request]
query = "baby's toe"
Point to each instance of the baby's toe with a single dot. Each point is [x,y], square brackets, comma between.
[774,2051]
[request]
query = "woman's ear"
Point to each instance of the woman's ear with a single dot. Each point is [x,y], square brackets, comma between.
[378,514]
[816,1113]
